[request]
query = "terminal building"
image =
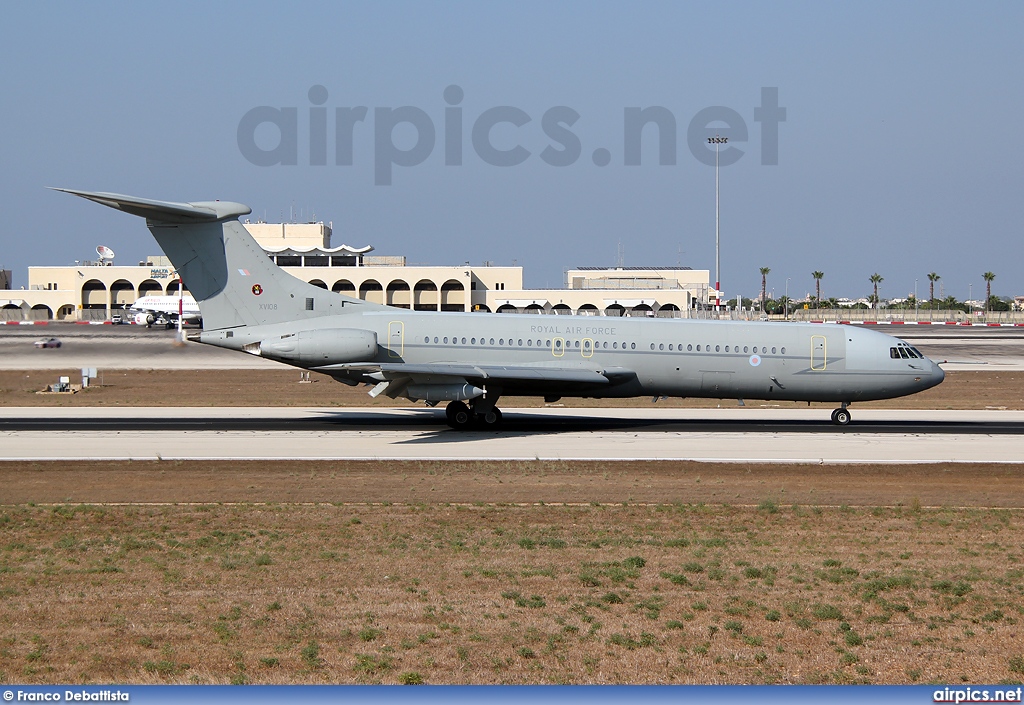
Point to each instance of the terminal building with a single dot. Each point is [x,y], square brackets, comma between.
[95,290]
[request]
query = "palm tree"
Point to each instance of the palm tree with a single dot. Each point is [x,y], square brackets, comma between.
[764,276]
[876,278]
[932,278]
[817,286]
[988,277]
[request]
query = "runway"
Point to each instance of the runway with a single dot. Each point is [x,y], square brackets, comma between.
[721,435]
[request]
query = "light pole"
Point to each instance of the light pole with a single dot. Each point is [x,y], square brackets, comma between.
[916,309]
[786,318]
[970,297]
[718,142]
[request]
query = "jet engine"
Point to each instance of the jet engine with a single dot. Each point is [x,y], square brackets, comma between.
[144,319]
[325,346]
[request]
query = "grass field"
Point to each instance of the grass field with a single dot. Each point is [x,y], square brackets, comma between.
[510,594]
[788,574]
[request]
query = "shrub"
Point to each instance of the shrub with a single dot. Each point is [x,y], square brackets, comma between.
[410,678]
[1017,664]
[369,664]
[826,612]
[311,655]
[675,578]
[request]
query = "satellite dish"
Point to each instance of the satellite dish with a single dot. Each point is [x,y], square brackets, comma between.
[104,252]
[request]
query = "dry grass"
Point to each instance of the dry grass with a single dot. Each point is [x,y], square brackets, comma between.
[509,594]
[413,481]
[961,390]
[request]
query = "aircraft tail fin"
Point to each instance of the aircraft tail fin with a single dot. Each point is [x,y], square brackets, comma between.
[227,272]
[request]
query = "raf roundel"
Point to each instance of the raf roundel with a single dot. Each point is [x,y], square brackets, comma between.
[257,289]
[755,360]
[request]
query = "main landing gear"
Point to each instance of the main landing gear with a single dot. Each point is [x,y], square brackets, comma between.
[841,416]
[481,416]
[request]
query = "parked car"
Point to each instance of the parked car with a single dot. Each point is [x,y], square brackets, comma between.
[48,343]
[116,319]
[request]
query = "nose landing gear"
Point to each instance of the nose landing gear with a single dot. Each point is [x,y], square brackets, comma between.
[841,416]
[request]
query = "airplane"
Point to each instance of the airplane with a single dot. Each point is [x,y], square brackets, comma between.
[470,360]
[148,310]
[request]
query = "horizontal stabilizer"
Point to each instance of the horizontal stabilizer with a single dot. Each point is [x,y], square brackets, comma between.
[166,211]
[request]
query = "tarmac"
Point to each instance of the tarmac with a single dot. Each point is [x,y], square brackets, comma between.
[719,435]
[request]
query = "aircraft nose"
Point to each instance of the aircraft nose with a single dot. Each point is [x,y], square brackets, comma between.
[938,374]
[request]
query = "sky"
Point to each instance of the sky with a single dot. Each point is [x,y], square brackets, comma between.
[507,132]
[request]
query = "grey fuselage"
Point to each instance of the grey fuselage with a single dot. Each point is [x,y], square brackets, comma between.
[641,356]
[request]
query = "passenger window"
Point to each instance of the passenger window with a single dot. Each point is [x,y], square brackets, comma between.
[689,347]
[773,351]
[745,348]
[473,341]
[670,347]
[446,341]
[576,344]
[698,348]
[652,346]
[520,342]
[764,350]
[547,343]
[718,348]
[783,351]
[615,346]
[632,346]
[492,341]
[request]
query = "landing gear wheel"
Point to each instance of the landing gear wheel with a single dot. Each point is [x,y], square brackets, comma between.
[840,417]
[490,420]
[458,416]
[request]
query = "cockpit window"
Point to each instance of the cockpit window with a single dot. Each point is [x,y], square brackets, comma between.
[905,351]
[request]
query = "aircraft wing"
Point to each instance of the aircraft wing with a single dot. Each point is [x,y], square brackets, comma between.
[481,373]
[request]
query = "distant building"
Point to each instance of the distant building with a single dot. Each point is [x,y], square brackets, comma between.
[94,290]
